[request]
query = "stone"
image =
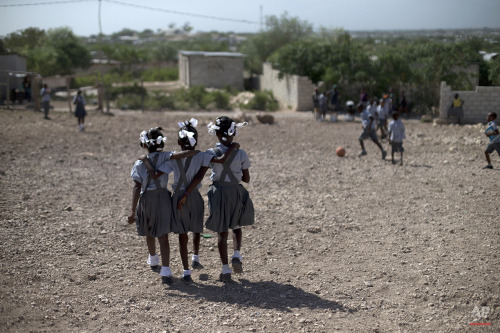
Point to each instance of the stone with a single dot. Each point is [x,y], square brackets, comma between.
[264,118]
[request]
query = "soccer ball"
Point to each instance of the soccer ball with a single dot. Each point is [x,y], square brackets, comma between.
[340,151]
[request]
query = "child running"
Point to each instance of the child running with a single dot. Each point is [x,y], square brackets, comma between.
[493,134]
[191,217]
[369,131]
[152,202]
[383,114]
[396,136]
[229,203]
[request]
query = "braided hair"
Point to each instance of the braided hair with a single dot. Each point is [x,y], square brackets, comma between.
[153,139]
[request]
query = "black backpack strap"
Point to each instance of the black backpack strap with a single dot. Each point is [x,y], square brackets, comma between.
[182,173]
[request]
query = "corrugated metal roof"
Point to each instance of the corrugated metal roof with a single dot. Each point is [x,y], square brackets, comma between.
[212,54]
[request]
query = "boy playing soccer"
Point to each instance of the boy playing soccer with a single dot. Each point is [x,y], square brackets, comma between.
[369,131]
[493,135]
[396,136]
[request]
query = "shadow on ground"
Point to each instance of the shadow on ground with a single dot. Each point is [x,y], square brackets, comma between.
[263,294]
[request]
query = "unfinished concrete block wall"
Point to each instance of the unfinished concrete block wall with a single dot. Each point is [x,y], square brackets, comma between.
[477,103]
[211,69]
[292,91]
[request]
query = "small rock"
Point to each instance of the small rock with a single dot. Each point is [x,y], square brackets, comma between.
[314,230]
[68,209]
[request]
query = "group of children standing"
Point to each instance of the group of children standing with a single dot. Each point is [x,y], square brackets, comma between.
[374,116]
[157,212]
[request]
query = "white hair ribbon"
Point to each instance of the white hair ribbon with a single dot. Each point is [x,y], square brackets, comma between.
[144,137]
[149,142]
[212,128]
[193,122]
[232,130]
[190,135]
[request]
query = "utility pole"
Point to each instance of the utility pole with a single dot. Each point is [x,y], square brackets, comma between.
[100,86]
[261,17]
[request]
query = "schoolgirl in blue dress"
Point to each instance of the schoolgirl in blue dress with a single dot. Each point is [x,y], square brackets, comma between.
[229,203]
[152,202]
[190,218]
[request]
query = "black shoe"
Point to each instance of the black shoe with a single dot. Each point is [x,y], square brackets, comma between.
[196,265]
[489,166]
[237,265]
[156,268]
[187,278]
[167,279]
[225,277]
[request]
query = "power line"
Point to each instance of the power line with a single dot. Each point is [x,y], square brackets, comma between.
[126,4]
[44,3]
[181,13]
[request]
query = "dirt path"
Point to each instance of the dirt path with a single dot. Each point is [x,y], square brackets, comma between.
[340,244]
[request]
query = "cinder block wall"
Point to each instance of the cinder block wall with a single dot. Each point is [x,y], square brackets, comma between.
[477,103]
[292,91]
[215,72]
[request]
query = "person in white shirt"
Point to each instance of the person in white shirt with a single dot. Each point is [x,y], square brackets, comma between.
[369,131]
[45,93]
[383,114]
[396,136]
[372,108]
[493,134]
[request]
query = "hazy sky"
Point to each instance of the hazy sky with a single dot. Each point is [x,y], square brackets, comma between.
[82,15]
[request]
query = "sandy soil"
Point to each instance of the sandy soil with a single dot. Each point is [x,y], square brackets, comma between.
[340,244]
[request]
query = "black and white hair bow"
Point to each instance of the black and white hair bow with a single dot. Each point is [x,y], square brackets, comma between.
[188,134]
[193,122]
[212,128]
[150,142]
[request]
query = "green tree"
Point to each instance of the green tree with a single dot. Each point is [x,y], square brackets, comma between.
[23,40]
[70,53]
[279,32]
[432,62]
[187,27]
[3,49]
[494,71]
[164,52]
[58,51]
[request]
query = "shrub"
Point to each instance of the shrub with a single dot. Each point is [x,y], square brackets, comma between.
[264,101]
[221,100]
[231,90]
[131,101]
[137,90]
[83,81]
[161,74]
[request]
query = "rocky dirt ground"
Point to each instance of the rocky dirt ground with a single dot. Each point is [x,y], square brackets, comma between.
[340,244]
